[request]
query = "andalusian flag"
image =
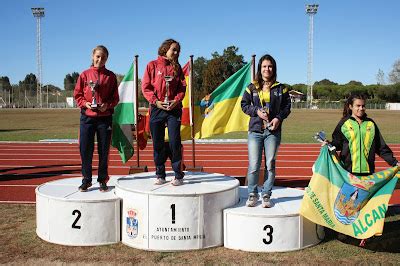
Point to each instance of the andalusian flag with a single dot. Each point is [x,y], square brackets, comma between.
[349,204]
[224,113]
[124,117]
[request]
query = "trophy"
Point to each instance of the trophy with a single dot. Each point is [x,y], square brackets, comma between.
[167,102]
[265,111]
[92,86]
[321,137]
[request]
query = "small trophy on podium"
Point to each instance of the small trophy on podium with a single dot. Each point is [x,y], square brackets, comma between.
[92,86]
[321,137]
[167,102]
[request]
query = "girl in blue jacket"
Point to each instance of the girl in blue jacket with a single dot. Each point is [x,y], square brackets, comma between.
[267,102]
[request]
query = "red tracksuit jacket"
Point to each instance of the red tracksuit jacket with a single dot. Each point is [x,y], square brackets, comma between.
[154,85]
[106,91]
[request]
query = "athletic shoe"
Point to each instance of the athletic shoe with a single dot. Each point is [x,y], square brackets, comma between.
[252,200]
[177,182]
[84,187]
[160,181]
[103,186]
[266,202]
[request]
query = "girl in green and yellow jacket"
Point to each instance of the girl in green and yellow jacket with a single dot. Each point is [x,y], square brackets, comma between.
[358,139]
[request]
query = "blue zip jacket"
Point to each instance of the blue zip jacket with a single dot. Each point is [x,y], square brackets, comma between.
[279,105]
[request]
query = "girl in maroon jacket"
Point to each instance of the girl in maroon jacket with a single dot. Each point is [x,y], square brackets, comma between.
[96,93]
[164,86]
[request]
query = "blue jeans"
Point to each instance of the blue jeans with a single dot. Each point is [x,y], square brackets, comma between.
[257,142]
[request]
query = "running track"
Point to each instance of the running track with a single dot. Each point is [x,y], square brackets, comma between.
[24,166]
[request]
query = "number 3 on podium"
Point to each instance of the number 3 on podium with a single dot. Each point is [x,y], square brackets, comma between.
[269,230]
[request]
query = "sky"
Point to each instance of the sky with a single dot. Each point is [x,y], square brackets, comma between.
[353,39]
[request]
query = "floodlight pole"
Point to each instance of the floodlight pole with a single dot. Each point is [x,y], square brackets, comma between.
[311,10]
[38,13]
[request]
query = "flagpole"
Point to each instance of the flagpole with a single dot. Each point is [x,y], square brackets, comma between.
[136,107]
[191,116]
[138,168]
[253,67]
[191,110]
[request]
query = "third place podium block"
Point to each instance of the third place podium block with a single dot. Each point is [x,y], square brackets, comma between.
[280,228]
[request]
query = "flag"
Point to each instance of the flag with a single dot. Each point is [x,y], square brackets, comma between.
[349,204]
[223,112]
[186,132]
[124,117]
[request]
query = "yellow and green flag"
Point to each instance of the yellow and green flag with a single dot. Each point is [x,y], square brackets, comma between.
[224,113]
[349,204]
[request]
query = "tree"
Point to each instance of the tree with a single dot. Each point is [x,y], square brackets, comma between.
[394,75]
[5,83]
[325,82]
[380,77]
[70,81]
[354,83]
[221,67]
[199,66]
[29,84]
[214,74]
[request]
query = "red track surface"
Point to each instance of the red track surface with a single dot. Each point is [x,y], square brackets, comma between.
[24,166]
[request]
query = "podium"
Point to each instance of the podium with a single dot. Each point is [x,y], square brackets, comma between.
[208,210]
[66,216]
[276,229]
[169,218]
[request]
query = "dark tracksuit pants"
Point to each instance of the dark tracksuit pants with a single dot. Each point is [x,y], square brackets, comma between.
[158,119]
[102,128]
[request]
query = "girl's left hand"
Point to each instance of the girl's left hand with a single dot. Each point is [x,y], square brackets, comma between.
[172,105]
[274,124]
[102,107]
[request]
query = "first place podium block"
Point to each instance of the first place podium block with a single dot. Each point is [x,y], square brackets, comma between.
[169,218]
[68,217]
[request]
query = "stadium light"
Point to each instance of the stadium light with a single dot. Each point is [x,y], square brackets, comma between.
[38,13]
[311,10]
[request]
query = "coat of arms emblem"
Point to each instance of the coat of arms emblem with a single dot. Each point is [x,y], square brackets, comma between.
[132,223]
[351,198]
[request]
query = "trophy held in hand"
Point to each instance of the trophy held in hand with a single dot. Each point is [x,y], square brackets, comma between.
[266,123]
[167,102]
[321,137]
[93,86]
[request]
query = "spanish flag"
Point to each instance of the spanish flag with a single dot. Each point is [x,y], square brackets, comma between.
[185,119]
[349,204]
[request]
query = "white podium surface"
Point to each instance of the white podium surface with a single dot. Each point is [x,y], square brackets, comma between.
[280,228]
[66,216]
[169,218]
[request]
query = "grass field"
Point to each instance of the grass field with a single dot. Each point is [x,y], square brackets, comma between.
[302,124]
[20,245]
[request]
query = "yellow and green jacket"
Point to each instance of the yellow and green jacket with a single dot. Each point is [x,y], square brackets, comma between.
[358,144]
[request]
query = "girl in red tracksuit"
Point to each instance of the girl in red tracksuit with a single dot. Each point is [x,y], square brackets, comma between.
[96,120]
[165,107]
